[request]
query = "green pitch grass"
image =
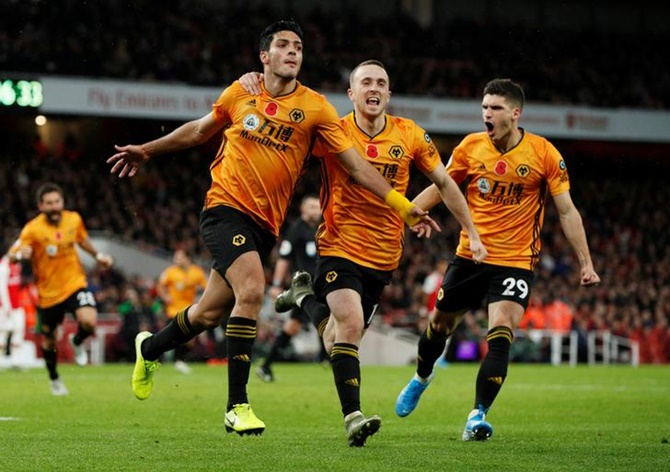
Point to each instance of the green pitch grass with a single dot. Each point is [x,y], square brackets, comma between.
[546,418]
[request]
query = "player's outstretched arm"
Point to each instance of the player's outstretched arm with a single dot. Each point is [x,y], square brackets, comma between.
[129,158]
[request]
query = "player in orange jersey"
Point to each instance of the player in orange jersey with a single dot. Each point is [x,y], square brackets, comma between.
[360,242]
[48,241]
[268,139]
[179,286]
[510,173]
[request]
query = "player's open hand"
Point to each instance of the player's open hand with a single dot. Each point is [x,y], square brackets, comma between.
[425,228]
[128,160]
[251,82]
[415,215]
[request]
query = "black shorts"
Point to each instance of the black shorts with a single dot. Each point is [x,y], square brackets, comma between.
[467,284]
[334,273]
[50,318]
[228,233]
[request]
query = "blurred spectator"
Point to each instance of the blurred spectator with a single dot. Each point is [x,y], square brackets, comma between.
[533,318]
[69,149]
[558,316]
[136,315]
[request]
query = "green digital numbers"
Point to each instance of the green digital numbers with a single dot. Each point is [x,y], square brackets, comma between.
[21,93]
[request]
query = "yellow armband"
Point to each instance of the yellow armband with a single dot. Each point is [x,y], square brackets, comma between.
[403,206]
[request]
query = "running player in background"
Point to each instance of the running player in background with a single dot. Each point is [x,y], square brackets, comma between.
[178,287]
[49,241]
[361,240]
[268,139]
[510,173]
[297,251]
[12,314]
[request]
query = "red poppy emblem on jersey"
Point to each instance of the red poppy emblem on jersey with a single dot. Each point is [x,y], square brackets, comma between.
[500,168]
[372,151]
[271,109]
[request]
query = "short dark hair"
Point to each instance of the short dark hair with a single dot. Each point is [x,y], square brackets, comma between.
[507,88]
[369,62]
[307,196]
[282,25]
[48,188]
[185,250]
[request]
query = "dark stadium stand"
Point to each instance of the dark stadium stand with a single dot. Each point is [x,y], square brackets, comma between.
[565,54]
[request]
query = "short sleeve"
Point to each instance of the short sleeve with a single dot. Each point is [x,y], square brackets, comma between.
[331,131]
[427,157]
[557,172]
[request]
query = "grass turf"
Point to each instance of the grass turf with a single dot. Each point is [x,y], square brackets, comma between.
[545,418]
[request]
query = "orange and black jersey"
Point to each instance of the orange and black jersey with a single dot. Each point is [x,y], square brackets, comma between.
[266,148]
[56,266]
[507,193]
[357,224]
[182,285]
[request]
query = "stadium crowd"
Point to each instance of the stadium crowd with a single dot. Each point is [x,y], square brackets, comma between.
[201,43]
[622,208]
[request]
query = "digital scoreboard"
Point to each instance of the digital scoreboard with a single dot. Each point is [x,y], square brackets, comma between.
[20,93]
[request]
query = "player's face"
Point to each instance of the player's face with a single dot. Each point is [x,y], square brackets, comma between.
[52,206]
[311,210]
[180,258]
[499,117]
[369,90]
[284,57]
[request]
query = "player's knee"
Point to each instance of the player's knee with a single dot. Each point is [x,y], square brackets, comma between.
[350,328]
[445,323]
[87,325]
[205,319]
[48,342]
[251,299]
[87,318]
